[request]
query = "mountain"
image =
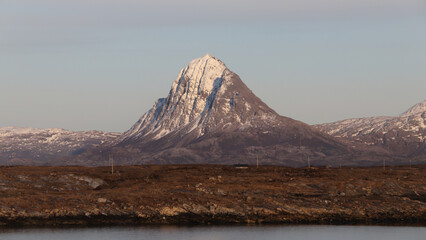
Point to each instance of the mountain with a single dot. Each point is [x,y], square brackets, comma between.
[211,116]
[33,146]
[403,135]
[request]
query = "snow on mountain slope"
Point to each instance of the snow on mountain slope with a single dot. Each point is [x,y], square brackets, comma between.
[404,134]
[416,110]
[206,96]
[211,116]
[38,145]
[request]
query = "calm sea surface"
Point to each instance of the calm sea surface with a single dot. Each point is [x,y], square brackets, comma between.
[219,233]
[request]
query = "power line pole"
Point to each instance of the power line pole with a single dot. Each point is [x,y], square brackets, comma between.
[111,160]
[384,164]
[309,162]
[257,161]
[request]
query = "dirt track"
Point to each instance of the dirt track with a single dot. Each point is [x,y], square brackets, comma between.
[203,194]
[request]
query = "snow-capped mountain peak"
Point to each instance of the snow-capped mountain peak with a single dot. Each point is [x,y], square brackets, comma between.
[416,109]
[211,116]
[205,91]
[202,73]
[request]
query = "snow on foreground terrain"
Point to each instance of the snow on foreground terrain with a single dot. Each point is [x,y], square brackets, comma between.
[34,145]
[404,134]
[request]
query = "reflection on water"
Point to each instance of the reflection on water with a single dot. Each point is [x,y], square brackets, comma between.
[220,233]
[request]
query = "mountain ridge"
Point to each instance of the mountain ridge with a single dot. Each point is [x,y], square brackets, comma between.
[404,134]
[35,146]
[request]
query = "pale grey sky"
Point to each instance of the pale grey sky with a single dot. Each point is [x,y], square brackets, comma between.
[96,64]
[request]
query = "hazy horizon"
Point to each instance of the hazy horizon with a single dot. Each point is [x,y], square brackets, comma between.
[102,64]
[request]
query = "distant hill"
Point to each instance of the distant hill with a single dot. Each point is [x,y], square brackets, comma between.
[403,135]
[34,146]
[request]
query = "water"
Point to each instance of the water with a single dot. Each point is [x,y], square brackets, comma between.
[220,233]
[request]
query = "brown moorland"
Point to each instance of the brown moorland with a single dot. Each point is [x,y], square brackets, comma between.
[211,194]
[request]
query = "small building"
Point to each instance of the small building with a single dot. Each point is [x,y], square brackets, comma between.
[241,166]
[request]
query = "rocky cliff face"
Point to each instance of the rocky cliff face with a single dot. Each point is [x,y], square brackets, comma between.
[403,135]
[34,146]
[211,116]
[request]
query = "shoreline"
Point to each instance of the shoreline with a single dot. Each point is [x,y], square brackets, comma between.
[110,221]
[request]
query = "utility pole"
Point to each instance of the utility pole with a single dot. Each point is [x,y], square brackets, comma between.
[111,160]
[257,161]
[309,162]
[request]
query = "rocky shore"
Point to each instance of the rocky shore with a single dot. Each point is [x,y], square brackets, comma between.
[210,194]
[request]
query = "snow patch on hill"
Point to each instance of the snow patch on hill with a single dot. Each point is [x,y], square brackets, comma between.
[43,144]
